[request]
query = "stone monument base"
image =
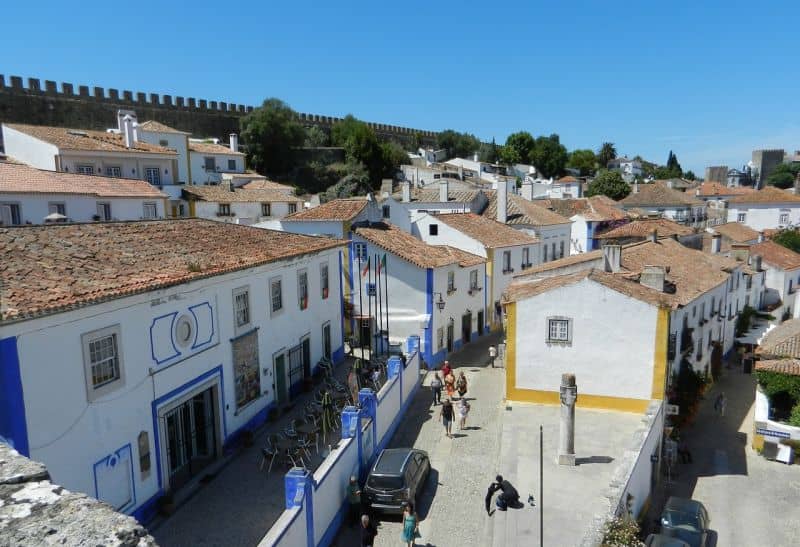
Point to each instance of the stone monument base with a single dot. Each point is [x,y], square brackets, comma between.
[566,459]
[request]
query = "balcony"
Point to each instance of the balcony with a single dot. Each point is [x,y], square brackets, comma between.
[508,270]
[473,290]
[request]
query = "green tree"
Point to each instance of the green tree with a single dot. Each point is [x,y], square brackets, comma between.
[609,183]
[549,156]
[523,144]
[789,239]
[508,155]
[360,146]
[457,144]
[582,160]
[272,133]
[354,180]
[673,165]
[316,137]
[392,156]
[689,175]
[489,152]
[783,176]
[606,153]
[663,172]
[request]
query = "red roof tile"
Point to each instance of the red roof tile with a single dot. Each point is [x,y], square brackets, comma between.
[334,210]
[488,232]
[776,255]
[87,140]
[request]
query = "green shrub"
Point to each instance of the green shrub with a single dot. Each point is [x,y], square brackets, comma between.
[774,382]
[621,532]
[794,418]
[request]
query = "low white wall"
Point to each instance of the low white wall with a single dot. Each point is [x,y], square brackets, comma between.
[289,529]
[330,485]
[389,398]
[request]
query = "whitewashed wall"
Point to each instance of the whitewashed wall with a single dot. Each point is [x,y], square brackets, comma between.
[29,150]
[80,208]
[765,216]
[132,164]
[177,141]
[245,212]
[199,174]
[554,234]
[330,228]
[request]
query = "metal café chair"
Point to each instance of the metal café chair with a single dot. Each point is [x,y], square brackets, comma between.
[289,431]
[270,451]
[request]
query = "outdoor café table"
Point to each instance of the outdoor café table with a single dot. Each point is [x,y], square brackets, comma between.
[309,429]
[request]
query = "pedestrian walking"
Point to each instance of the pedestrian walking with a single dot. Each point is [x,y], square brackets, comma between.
[450,384]
[461,385]
[492,355]
[354,500]
[368,532]
[447,417]
[446,369]
[463,411]
[436,386]
[410,524]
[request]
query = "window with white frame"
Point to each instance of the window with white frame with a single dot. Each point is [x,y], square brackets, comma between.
[784,217]
[163,142]
[102,358]
[741,217]
[231,165]
[526,257]
[559,330]
[360,251]
[544,258]
[275,294]
[292,208]
[266,209]
[451,282]
[114,171]
[241,307]
[507,262]
[86,169]
[152,175]
[323,280]
[10,214]
[150,210]
[58,207]
[224,210]
[302,289]
[473,280]
[553,250]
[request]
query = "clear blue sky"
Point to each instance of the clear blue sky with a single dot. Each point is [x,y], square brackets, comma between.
[709,80]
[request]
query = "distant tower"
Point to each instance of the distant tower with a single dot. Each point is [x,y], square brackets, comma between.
[764,162]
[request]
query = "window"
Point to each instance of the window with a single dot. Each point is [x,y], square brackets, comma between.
[561,250]
[439,338]
[152,175]
[784,217]
[231,165]
[433,229]
[241,307]
[163,142]
[275,295]
[302,289]
[10,213]
[451,282]
[102,361]
[104,210]
[473,280]
[209,164]
[57,207]
[526,257]
[386,211]
[553,249]
[114,171]
[559,330]
[323,280]
[143,443]
[224,210]
[266,210]
[507,262]
[740,217]
[150,210]
[360,251]
[544,259]
[86,169]
[292,208]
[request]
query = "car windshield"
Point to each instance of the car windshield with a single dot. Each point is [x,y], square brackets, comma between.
[385,483]
[679,518]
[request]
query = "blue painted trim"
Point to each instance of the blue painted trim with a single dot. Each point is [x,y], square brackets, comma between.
[105,460]
[148,510]
[341,305]
[195,345]
[457,344]
[171,338]
[333,527]
[429,310]
[438,357]
[169,397]
[308,505]
[338,354]
[13,425]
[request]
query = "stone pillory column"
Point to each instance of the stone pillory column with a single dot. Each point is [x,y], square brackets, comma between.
[566,437]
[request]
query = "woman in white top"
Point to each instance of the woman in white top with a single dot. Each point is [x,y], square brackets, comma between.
[463,410]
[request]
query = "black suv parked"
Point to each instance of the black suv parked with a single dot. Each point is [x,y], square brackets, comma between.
[398,476]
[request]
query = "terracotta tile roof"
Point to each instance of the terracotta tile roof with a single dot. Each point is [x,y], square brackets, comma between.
[770,194]
[595,208]
[711,189]
[431,195]
[644,227]
[736,232]
[335,210]
[658,194]
[221,194]
[782,366]
[490,233]
[776,255]
[158,127]
[568,178]
[416,251]
[211,148]
[23,179]
[570,260]
[47,269]
[87,140]
[781,341]
[265,184]
[522,212]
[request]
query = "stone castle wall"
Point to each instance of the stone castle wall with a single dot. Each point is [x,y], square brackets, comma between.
[96,108]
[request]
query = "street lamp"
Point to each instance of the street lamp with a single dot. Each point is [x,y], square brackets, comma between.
[440,303]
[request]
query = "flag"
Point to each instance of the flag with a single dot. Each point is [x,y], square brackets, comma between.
[365,270]
[382,263]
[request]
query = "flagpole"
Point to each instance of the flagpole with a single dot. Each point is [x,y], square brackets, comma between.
[360,308]
[369,307]
[386,292]
[380,303]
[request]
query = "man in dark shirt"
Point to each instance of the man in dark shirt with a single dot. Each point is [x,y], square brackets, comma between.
[368,532]
[508,494]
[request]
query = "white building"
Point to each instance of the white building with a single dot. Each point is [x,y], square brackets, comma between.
[334,218]
[35,196]
[628,168]
[121,342]
[505,249]
[484,171]
[782,267]
[590,217]
[209,160]
[157,133]
[432,155]
[567,187]
[402,208]
[769,208]
[658,198]
[239,205]
[718,194]
[436,292]
[552,230]
[88,152]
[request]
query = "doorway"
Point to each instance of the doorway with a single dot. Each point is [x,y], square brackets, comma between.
[365,332]
[466,327]
[450,335]
[480,323]
[190,431]
[305,343]
[326,340]
[279,373]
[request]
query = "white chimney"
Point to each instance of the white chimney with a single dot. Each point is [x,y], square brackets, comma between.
[761,237]
[234,142]
[135,127]
[502,204]
[755,262]
[127,131]
[636,187]
[443,190]
[121,116]
[716,244]
[612,255]
[653,277]
[670,183]
[527,190]
[475,157]
[653,236]
[406,186]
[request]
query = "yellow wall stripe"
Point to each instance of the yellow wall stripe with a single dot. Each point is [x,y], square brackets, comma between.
[660,353]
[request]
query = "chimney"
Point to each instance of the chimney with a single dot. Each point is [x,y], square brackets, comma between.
[475,157]
[652,237]
[527,190]
[761,237]
[234,142]
[121,116]
[670,183]
[716,243]
[755,262]
[127,131]
[611,258]
[653,277]
[502,204]
[443,190]
[406,186]
[636,187]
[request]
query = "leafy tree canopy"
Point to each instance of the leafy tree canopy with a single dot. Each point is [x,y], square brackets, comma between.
[272,133]
[522,144]
[353,180]
[583,160]
[775,382]
[461,145]
[361,146]
[689,175]
[673,165]
[609,183]
[606,153]
[783,176]
[316,137]
[509,156]
[789,239]
[489,153]
[549,156]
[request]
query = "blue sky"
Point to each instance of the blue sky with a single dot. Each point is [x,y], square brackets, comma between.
[709,80]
